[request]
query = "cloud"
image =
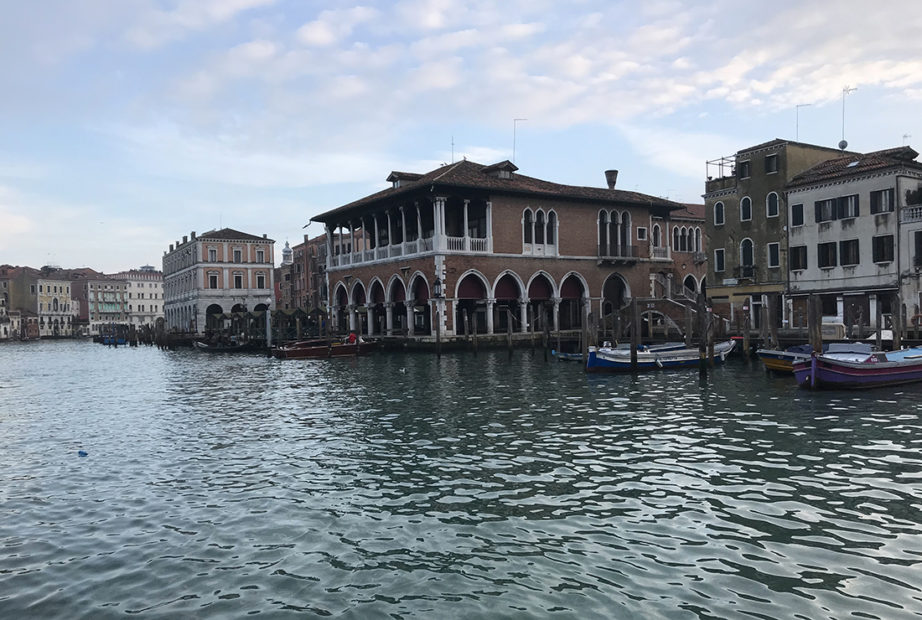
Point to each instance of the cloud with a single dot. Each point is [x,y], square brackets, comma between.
[334,25]
[157,27]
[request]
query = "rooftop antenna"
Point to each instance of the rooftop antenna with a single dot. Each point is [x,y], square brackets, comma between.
[515,122]
[845,90]
[906,137]
[797,120]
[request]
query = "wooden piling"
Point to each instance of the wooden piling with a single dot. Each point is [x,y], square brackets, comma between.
[509,331]
[635,332]
[773,301]
[689,326]
[701,310]
[896,303]
[879,323]
[747,328]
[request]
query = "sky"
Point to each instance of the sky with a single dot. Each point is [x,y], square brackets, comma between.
[126,124]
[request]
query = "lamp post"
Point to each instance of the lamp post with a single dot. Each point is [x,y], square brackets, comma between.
[437,295]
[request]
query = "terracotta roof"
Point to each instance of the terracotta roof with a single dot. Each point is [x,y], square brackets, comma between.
[231,234]
[690,211]
[856,163]
[469,174]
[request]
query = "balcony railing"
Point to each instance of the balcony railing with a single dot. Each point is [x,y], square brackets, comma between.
[617,251]
[657,252]
[911,213]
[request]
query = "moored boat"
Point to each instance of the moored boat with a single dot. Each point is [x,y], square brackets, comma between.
[783,361]
[231,347]
[614,359]
[859,368]
[322,348]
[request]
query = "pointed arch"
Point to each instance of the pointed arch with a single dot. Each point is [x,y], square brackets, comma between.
[396,289]
[505,283]
[535,281]
[472,285]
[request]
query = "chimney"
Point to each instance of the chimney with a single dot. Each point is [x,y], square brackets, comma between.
[193,235]
[611,177]
[171,247]
[265,236]
[185,239]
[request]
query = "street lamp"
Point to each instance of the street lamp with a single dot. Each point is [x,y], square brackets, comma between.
[437,295]
[437,288]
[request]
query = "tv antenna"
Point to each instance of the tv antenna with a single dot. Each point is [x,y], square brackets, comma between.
[845,90]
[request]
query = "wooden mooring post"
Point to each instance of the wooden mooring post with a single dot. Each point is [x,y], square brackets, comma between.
[635,332]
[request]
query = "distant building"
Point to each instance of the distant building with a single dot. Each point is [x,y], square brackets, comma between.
[218,272]
[855,236]
[746,216]
[144,287]
[101,300]
[42,296]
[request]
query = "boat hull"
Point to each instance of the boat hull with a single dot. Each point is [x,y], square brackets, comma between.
[607,360]
[780,361]
[822,373]
[316,350]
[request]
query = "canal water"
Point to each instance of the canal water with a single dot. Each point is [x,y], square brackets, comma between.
[404,486]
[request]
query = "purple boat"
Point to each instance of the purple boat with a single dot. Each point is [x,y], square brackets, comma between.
[853,366]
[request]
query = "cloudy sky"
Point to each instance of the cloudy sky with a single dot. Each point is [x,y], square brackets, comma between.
[125,124]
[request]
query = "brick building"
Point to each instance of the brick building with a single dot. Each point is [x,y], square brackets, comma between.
[484,242]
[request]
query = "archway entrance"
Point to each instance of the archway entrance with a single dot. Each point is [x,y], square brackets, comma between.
[471,302]
[572,292]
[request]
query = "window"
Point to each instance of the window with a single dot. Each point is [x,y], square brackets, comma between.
[551,227]
[771,164]
[774,254]
[745,169]
[238,280]
[847,206]
[212,280]
[718,260]
[848,252]
[882,201]
[656,236]
[747,251]
[798,257]
[528,224]
[260,280]
[826,255]
[212,255]
[882,248]
[745,209]
[539,227]
[825,210]
[238,256]
[797,215]
[771,205]
[719,214]
[641,233]
[260,257]
[917,256]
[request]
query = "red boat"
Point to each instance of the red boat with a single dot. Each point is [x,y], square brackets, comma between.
[323,348]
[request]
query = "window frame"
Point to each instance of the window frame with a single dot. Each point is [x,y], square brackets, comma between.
[773,168]
[747,200]
[720,258]
[795,254]
[888,248]
[722,211]
[768,212]
[856,252]
[768,250]
[879,194]
[794,209]
[833,254]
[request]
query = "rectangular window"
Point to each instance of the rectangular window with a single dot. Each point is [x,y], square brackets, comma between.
[718,260]
[212,255]
[260,281]
[641,233]
[238,280]
[212,280]
[774,254]
[260,257]
[745,169]
[798,257]
[826,255]
[771,164]
[238,256]
[797,215]
[847,206]
[825,210]
[848,252]
[882,201]
[882,248]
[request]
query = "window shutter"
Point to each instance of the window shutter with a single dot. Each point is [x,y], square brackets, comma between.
[817,209]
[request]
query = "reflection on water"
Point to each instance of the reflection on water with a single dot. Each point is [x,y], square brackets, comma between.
[406,486]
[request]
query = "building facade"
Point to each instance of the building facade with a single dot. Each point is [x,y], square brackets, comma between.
[855,237]
[144,288]
[468,247]
[219,272]
[746,219]
[43,299]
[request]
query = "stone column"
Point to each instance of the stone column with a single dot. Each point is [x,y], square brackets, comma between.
[411,324]
[490,303]
[389,318]
[523,313]
[390,230]
[464,236]
[403,230]
[556,301]
[370,315]
[489,227]
[350,309]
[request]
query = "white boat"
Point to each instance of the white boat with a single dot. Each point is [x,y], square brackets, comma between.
[607,358]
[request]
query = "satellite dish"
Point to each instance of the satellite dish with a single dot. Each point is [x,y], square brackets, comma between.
[843,144]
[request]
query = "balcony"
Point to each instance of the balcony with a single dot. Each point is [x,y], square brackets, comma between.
[618,253]
[911,213]
[745,271]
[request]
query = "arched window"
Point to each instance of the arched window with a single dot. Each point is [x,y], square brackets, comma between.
[656,236]
[697,240]
[746,257]
[675,238]
[745,209]
[529,225]
[719,214]
[539,227]
[771,205]
[684,239]
[551,227]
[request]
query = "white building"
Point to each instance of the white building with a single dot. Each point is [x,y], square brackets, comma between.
[852,225]
[55,308]
[219,272]
[144,288]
